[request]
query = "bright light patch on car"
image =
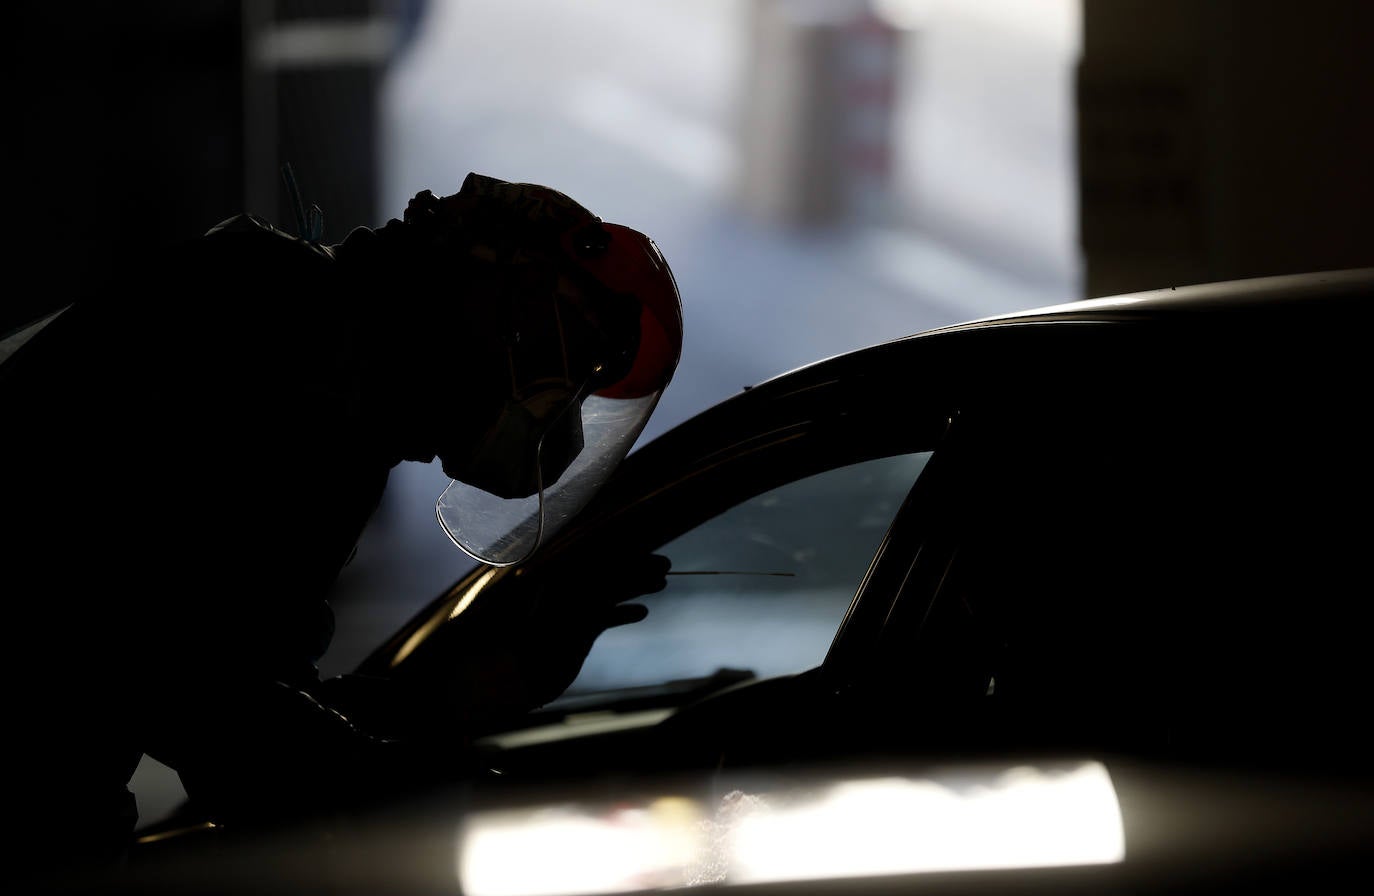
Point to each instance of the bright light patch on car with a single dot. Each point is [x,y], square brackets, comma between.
[1022,818]
[572,849]
[969,820]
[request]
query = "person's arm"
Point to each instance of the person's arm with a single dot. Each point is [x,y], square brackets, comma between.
[508,655]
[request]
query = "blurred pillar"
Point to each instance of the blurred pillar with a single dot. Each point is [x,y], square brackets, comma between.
[313,76]
[1223,140]
[817,124]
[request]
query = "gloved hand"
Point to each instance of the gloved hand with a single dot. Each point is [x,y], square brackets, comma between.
[573,604]
[523,642]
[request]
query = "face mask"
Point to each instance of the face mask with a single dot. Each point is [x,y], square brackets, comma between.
[532,442]
[504,531]
[521,480]
[555,443]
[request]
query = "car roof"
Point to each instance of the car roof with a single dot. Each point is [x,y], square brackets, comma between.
[1229,297]
[1323,296]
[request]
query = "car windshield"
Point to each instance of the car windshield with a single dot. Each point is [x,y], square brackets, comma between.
[763,585]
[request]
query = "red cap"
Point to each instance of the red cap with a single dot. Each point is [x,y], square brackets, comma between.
[632,263]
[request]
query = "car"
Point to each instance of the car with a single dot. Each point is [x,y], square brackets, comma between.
[1116,549]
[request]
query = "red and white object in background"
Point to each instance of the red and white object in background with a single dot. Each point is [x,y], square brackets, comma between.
[868,52]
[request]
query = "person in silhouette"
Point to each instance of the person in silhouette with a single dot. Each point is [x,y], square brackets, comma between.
[192,452]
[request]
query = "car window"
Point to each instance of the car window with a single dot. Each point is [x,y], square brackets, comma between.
[763,585]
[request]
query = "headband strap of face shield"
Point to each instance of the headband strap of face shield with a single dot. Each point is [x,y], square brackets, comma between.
[588,354]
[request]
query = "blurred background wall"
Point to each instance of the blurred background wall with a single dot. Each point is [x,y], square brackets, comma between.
[821,174]
[1224,139]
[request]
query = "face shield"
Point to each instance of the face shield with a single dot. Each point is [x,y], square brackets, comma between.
[585,375]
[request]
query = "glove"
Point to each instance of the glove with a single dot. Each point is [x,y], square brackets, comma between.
[574,604]
[520,646]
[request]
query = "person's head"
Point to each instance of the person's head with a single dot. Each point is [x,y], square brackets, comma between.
[531,341]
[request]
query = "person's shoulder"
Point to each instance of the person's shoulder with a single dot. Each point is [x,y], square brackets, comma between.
[247,229]
[246,222]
